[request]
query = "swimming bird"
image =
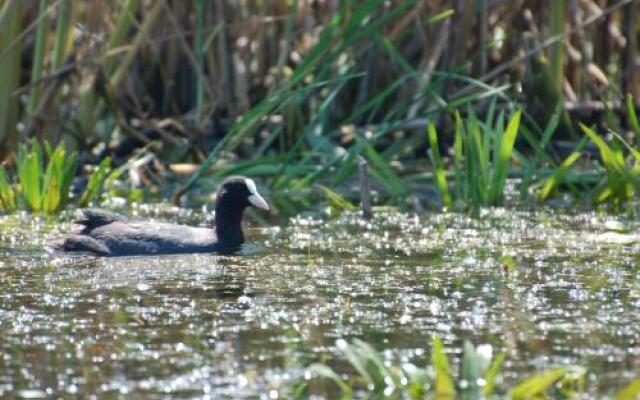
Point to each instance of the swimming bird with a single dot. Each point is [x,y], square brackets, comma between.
[107,234]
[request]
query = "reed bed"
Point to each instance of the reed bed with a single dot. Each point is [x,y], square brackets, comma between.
[296,91]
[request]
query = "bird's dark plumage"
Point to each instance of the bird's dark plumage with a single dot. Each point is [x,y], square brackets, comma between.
[107,234]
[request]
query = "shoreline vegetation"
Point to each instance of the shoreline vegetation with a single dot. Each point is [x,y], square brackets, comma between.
[296,93]
[415,104]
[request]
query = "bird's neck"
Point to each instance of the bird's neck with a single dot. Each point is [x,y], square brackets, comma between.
[228,224]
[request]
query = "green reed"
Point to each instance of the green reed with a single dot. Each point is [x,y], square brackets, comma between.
[482,159]
[477,377]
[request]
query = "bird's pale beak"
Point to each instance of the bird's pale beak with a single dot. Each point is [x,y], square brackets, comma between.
[257,200]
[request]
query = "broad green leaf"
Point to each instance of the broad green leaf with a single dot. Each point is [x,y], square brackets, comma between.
[30,174]
[470,371]
[444,382]
[537,384]
[630,392]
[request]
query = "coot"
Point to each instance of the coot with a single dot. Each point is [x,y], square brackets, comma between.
[109,234]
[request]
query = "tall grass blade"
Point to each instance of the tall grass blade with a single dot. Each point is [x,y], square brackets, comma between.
[119,35]
[380,374]
[7,195]
[458,152]
[337,201]
[503,161]
[438,166]
[52,181]
[536,385]
[10,49]
[145,30]
[551,127]
[68,171]
[558,51]
[324,371]
[383,172]
[609,158]
[558,176]
[63,36]
[199,50]
[39,53]
[629,392]
[95,183]
[443,381]
[492,374]
[633,118]
[356,361]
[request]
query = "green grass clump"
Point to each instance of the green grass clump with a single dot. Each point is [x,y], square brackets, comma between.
[44,177]
[477,377]
[482,159]
[621,163]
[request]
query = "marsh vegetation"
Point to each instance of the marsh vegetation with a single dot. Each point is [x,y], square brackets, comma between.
[502,143]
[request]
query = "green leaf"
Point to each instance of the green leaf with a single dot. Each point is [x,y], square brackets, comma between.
[7,195]
[630,392]
[633,117]
[558,176]
[356,361]
[444,382]
[438,166]
[503,160]
[52,177]
[537,384]
[30,175]
[382,171]
[552,125]
[378,371]
[492,374]
[470,371]
[609,159]
[95,183]
[458,146]
[323,371]
[336,200]
[68,173]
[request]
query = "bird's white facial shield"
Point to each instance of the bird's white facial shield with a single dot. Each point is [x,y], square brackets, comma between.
[255,198]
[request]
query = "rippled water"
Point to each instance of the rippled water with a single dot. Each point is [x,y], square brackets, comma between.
[548,289]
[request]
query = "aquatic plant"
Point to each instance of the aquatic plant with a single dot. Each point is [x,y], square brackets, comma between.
[44,177]
[344,81]
[477,376]
[621,162]
[482,158]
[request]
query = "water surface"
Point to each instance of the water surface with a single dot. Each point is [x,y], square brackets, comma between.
[549,289]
